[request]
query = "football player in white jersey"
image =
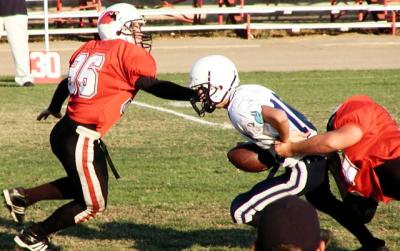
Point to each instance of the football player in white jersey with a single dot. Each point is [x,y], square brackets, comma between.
[261,116]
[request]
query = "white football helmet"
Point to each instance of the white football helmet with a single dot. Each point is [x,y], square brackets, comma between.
[217,76]
[123,21]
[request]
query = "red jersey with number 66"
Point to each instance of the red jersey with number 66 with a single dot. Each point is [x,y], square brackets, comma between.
[101,80]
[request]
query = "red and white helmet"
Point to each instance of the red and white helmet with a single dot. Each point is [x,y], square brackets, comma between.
[217,76]
[123,21]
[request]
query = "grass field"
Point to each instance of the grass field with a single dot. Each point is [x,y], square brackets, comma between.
[176,184]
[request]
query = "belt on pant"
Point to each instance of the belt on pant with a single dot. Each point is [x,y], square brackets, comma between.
[108,158]
[312,158]
[307,159]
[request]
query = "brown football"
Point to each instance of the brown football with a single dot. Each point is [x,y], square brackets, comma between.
[250,158]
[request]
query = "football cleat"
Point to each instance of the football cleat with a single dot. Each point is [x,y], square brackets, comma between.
[16,203]
[28,239]
[381,248]
[375,245]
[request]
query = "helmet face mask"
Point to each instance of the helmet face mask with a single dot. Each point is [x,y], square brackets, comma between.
[206,104]
[210,96]
[123,21]
[134,29]
[214,77]
[144,39]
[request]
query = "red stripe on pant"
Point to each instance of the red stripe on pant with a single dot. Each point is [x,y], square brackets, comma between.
[92,192]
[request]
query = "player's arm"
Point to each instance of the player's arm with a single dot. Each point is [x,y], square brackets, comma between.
[278,119]
[59,96]
[328,142]
[165,89]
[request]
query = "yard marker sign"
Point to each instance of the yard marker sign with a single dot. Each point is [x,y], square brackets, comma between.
[45,67]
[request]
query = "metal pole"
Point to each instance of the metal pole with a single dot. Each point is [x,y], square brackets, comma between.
[394,13]
[46,25]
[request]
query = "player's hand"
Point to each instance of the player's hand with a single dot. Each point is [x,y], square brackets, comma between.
[283,149]
[46,112]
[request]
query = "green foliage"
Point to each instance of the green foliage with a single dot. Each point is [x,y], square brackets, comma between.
[176,184]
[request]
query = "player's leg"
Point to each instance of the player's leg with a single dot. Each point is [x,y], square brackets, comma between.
[70,214]
[92,199]
[324,200]
[295,181]
[244,208]
[87,169]
[18,199]
[365,208]
[17,36]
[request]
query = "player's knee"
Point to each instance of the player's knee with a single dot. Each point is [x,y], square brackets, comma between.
[364,208]
[233,210]
[237,214]
[241,217]
[235,204]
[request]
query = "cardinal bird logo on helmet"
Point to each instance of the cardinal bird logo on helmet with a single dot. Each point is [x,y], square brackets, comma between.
[123,21]
[108,17]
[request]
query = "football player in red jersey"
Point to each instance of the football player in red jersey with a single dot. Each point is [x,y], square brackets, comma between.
[369,140]
[104,76]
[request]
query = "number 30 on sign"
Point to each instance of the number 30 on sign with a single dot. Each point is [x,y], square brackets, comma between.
[45,66]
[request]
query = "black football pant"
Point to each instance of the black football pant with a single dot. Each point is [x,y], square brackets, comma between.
[86,184]
[306,175]
[389,178]
[323,199]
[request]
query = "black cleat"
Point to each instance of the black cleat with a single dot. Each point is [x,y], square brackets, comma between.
[28,84]
[28,239]
[375,245]
[16,203]
[381,248]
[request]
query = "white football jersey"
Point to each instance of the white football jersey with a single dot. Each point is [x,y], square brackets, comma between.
[244,111]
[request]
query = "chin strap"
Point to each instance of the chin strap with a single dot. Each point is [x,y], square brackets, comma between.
[193,102]
[207,105]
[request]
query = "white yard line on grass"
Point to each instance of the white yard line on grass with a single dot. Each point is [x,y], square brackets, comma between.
[182,115]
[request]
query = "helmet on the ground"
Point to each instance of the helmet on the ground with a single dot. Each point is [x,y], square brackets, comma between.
[217,77]
[123,21]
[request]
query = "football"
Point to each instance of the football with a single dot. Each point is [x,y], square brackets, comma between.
[249,157]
